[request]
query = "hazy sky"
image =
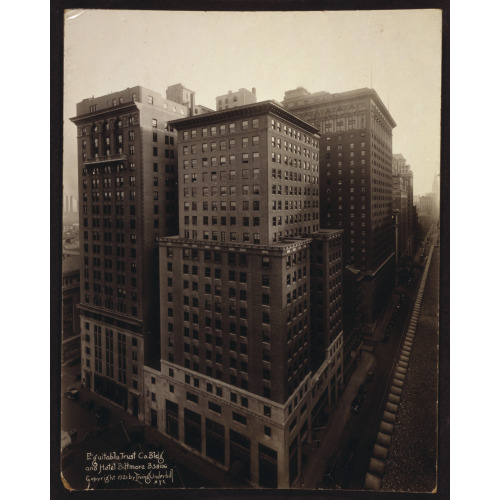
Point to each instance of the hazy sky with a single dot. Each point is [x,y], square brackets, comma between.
[398,53]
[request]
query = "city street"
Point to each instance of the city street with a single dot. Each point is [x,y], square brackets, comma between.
[354,449]
[412,459]
[356,442]
[73,416]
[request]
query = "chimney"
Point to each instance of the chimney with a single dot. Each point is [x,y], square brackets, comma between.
[253,90]
[71,204]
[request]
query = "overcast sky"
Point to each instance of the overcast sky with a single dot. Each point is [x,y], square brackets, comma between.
[398,53]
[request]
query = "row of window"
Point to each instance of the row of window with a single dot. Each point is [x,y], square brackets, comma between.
[216,256]
[222,160]
[218,409]
[295,134]
[294,148]
[221,129]
[214,221]
[214,236]
[223,145]
[107,169]
[221,175]
[297,205]
[293,162]
[265,282]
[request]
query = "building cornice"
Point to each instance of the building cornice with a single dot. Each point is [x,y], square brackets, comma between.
[105,312]
[339,99]
[280,248]
[103,113]
[270,107]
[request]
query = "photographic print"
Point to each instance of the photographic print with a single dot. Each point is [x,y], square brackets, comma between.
[251,250]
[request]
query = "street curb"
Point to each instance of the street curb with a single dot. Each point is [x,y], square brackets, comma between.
[372,482]
[376,468]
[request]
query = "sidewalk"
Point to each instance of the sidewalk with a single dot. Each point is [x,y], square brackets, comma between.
[314,469]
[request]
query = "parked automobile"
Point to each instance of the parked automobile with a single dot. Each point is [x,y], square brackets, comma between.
[73,394]
[370,375]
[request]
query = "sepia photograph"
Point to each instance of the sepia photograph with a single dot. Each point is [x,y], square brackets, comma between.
[251,237]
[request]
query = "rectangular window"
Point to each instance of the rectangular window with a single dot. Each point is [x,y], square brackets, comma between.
[191,397]
[239,418]
[214,407]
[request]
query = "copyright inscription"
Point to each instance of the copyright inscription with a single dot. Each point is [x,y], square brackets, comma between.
[141,469]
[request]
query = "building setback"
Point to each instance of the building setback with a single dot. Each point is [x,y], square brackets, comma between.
[246,372]
[356,196]
[127,179]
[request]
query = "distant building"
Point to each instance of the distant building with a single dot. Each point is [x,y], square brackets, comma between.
[201,110]
[246,371]
[127,176]
[234,99]
[71,344]
[435,184]
[402,200]
[400,165]
[429,206]
[69,205]
[180,94]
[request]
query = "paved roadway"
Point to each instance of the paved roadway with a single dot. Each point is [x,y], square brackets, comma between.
[367,425]
[412,459]
[359,435]
[355,443]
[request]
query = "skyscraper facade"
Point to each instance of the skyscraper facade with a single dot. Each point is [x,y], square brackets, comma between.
[356,184]
[127,178]
[245,371]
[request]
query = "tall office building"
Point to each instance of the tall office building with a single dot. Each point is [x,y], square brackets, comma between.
[127,179]
[356,184]
[246,372]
